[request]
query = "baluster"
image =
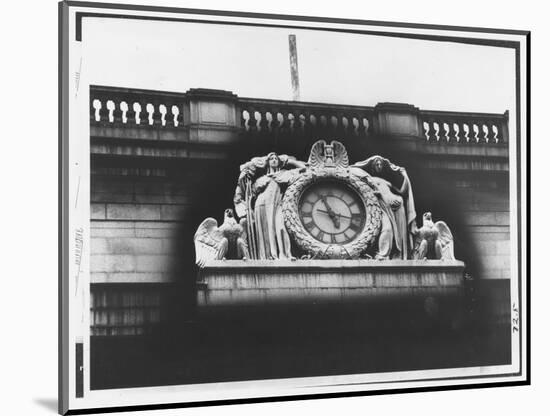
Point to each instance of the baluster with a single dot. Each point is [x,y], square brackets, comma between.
[178,115]
[291,122]
[262,121]
[269,121]
[484,130]
[364,126]
[496,133]
[123,106]
[475,132]
[148,114]
[446,132]
[278,121]
[245,120]
[257,120]
[345,126]
[354,125]
[490,132]
[301,120]
[163,114]
[455,132]
[110,110]
[426,128]
[253,121]
[466,132]
[141,118]
[95,104]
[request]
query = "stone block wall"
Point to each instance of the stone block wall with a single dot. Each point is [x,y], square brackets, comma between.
[142,255]
[142,263]
[154,182]
[487,221]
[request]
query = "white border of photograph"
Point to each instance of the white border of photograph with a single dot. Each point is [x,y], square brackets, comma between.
[78,287]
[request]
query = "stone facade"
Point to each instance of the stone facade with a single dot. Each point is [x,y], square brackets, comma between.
[153,182]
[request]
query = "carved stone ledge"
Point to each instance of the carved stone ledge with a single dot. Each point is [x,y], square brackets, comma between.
[259,282]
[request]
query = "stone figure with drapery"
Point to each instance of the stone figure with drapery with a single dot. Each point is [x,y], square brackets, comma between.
[395,194]
[258,197]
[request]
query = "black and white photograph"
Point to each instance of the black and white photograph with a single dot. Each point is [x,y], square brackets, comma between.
[262,207]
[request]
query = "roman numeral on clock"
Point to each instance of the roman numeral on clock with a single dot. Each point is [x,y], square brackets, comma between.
[356,218]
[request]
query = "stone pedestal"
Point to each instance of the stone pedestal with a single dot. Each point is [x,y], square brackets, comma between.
[212,116]
[397,120]
[260,282]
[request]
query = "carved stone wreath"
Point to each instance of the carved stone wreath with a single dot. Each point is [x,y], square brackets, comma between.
[314,247]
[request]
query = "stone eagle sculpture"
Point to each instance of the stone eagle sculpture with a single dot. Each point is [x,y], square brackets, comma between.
[434,241]
[323,155]
[218,243]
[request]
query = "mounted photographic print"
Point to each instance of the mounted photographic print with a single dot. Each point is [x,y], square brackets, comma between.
[258,207]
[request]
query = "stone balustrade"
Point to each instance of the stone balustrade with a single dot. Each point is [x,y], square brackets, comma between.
[287,117]
[122,107]
[465,128]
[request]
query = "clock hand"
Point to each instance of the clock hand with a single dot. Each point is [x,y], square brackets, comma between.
[331,214]
[339,215]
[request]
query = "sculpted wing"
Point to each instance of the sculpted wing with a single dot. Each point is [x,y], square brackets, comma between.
[316,158]
[447,241]
[341,155]
[207,240]
[417,253]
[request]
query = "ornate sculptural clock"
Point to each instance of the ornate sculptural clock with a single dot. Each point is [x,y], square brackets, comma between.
[332,212]
[329,212]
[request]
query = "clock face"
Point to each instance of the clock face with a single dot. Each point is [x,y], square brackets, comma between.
[332,212]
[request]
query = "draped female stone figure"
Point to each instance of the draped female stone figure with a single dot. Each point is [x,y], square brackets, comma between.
[258,196]
[394,191]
